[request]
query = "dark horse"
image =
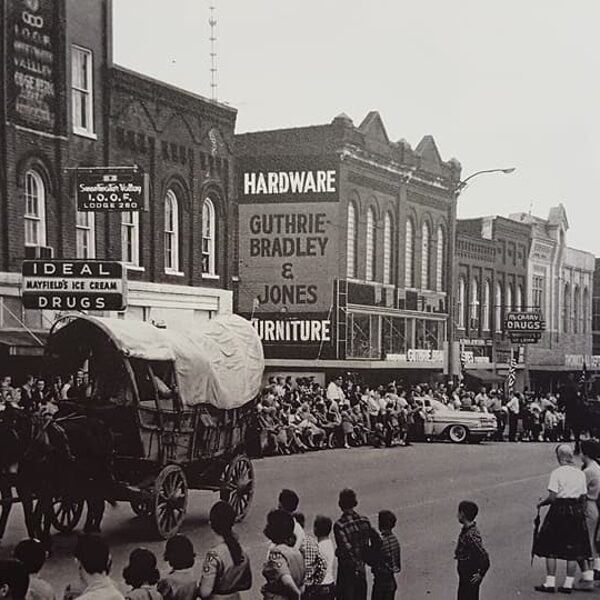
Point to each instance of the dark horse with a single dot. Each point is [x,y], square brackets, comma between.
[581,414]
[16,435]
[45,459]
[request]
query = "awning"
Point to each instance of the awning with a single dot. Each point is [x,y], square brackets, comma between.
[484,376]
[20,342]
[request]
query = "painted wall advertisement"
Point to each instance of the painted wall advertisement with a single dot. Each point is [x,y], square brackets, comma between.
[288,228]
[34,46]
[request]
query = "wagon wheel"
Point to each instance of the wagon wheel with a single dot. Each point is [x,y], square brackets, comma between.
[65,513]
[142,508]
[170,500]
[239,485]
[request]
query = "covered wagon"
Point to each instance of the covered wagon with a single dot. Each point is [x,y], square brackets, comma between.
[178,405]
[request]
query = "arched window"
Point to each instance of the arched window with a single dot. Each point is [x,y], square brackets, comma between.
[440,280]
[409,255]
[370,246]
[387,249]
[460,303]
[171,232]
[498,307]
[485,309]
[425,256]
[208,238]
[351,241]
[474,302]
[35,209]
[576,309]
[519,302]
[566,308]
[585,311]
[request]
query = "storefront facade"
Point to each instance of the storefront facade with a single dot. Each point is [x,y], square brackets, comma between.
[343,248]
[75,110]
[491,278]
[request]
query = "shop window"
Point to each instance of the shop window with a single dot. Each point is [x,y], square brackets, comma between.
[364,336]
[396,334]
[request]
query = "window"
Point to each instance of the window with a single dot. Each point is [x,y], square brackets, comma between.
[498,308]
[425,257]
[208,238]
[387,249]
[82,91]
[351,241]
[519,303]
[576,309]
[86,235]
[370,246]
[474,302]
[439,265]
[35,210]
[537,291]
[585,311]
[509,298]
[409,255]
[130,238]
[460,303]
[171,232]
[566,308]
[487,292]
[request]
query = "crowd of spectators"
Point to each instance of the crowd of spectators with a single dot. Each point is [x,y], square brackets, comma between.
[296,415]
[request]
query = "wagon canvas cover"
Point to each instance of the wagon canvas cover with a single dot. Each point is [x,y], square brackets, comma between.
[219,361]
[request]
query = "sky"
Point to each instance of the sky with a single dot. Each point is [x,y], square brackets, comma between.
[508,83]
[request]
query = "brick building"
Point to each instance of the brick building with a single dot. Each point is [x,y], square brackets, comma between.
[560,284]
[344,256]
[491,261]
[65,105]
[596,310]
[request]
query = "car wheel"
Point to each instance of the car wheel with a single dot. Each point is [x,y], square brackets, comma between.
[458,434]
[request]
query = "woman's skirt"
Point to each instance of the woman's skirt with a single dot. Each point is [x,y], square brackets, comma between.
[564,533]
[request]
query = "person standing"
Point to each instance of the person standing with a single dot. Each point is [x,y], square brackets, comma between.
[326,589]
[226,571]
[563,534]
[335,393]
[288,500]
[354,537]
[472,559]
[514,408]
[590,451]
[388,562]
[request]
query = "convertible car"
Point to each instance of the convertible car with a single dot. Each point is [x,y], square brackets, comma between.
[458,426]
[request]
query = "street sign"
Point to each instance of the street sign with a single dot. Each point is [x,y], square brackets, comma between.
[111,189]
[74,285]
[524,327]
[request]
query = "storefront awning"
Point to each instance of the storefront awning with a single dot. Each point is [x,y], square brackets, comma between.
[20,342]
[484,376]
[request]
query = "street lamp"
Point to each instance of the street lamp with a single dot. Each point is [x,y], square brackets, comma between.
[457,190]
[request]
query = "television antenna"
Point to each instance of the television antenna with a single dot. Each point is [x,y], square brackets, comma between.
[212,21]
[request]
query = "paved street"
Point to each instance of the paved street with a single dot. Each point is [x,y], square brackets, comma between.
[422,484]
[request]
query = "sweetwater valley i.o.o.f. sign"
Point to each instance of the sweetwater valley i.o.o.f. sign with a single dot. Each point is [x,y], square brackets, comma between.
[74,285]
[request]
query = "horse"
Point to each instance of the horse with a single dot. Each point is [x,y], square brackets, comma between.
[16,434]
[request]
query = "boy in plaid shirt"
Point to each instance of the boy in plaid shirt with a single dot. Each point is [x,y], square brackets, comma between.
[387,559]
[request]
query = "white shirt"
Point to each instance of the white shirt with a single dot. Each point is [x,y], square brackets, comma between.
[299,533]
[334,391]
[513,405]
[328,553]
[101,588]
[568,481]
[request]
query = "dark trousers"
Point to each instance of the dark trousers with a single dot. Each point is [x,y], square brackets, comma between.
[513,421]
[466,589]
[350,584]
[383,590]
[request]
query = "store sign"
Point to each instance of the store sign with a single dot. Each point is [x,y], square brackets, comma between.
[293,330]
[418,356]
[524,327]
[73,285]
[578,360]
[111,189]
[33,48]
[293,182]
